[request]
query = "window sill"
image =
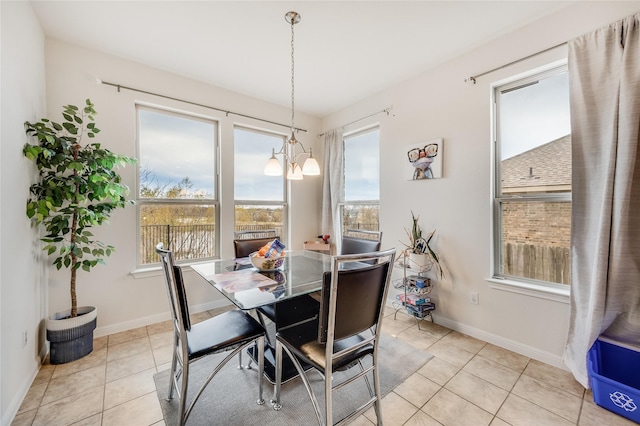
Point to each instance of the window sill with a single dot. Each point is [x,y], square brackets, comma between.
[556,294]
[156,271]
[147,272]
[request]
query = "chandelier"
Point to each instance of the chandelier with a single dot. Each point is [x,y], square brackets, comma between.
[292,150]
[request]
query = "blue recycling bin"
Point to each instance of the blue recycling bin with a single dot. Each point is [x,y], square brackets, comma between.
[614,376]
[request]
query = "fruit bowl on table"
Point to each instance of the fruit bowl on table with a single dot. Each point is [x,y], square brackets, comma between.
[264,264]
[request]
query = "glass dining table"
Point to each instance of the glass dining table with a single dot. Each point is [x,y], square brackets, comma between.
[283,289]
[247,288]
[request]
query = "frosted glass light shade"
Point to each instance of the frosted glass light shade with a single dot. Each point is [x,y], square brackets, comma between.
[311,167]
[273,167]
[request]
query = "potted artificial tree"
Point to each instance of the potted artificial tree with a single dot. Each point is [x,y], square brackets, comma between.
[421,255]
[78,188]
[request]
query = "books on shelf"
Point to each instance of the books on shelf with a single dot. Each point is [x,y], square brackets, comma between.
[419,315]
[429,306]
[413,299]
[420,311]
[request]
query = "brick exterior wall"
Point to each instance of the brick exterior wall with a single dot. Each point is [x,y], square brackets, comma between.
[546,224]
[536,236]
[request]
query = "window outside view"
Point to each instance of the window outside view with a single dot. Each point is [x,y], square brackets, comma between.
[176,185]
[260,199]
[361,204]
[533,179]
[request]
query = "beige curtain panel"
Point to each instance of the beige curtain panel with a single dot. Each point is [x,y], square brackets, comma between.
[604,71]
[333,181]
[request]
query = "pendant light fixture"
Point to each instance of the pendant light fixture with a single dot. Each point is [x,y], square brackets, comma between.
[291,145]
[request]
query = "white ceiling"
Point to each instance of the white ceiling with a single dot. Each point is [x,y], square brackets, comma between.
[344,50]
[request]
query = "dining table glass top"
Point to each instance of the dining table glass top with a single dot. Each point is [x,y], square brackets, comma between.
[248,288]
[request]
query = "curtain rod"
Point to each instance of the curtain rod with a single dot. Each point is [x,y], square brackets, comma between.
[386,111]
[473,78]
[227,112]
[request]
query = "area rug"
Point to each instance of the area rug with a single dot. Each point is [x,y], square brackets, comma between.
[230,398]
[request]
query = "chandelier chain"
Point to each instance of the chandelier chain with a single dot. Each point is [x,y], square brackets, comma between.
[291,159]
[292,79]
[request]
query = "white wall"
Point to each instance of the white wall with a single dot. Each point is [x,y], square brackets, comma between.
[438,103]
[22,289]
[123,301]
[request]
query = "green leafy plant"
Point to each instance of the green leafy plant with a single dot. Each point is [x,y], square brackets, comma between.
[78,188]
[420,245]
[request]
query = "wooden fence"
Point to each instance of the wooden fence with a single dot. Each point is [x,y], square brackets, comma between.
[546,263]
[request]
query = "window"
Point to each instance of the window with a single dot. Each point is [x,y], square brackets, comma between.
[177,202]
[260,200]
[360,205]
[532,203]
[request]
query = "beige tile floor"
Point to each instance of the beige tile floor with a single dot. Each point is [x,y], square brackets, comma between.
[468,382]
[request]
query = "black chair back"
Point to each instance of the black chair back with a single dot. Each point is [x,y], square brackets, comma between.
[352,245]
[245,247]
[176,291]
[182,297]
[359,300]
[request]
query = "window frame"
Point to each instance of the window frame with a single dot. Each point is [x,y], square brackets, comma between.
[145,201]
[285,193]
[343,202]
[500,280]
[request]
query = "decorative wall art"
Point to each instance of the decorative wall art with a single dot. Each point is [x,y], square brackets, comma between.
[424,160]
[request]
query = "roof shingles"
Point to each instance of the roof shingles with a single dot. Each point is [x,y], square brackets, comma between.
[533,169]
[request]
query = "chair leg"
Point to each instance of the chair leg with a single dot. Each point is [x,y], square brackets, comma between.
[174,363]
[215,371]
[276,402]
[183,392]
[328,394]
[376,386]
[276,388]
[240,366]
[260,370]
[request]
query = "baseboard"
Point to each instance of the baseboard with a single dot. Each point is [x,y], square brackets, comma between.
[152,319]
[494,339]
[512,345]
[19,396]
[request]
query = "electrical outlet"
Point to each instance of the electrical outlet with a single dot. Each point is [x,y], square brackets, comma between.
[24,338]
[473,298]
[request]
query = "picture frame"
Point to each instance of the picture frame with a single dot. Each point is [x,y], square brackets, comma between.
[423,160]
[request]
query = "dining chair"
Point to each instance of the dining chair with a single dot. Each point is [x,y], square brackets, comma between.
[303,307]
[244,245]
[244,248]
[364,234]
[231,331]
[360,241]
[346,331]
[246,242]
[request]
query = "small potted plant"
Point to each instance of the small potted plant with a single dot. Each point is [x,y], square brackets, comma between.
[421,255]
[78,188]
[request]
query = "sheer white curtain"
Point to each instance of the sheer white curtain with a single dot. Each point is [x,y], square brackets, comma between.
[333,180]
[604,71]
